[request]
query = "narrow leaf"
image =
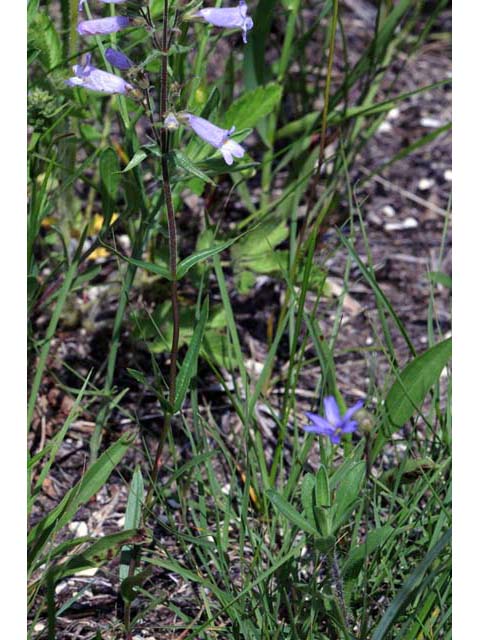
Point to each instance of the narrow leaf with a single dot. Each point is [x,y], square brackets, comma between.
[189,365]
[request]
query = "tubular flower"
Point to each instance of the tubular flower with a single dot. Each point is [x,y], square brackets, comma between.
[89,77]
[82,2]
[234,18]
[217,137]
[333,424]
[102,26]
[118,59]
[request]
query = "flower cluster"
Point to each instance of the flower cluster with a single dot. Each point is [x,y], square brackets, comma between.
[90,77]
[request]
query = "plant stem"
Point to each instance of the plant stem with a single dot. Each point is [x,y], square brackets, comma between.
[172,246]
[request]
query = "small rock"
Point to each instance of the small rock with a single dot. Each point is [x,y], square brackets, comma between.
[408,223]
[388,211]
[39,626]
[369,341]
[80,529]
[430,122]
[448,175]
[393,113]
[425,184]
[385,127]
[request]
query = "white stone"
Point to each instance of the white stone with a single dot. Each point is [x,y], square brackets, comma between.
[388,211]
[425,184]
[80,529]
[430,122]
[408,223]
[385,127]
[448,175]
[393,113]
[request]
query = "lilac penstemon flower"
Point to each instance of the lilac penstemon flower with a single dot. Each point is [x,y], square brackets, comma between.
[103,26]
[216,136]
[89,77]
[234,18]
[333,424]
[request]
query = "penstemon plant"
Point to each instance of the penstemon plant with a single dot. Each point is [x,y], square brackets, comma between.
[139,86]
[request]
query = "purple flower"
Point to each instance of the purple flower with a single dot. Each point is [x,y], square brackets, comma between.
[82,2]
[235,18]
[333,424]
[102,26]
[89,77]
[217,137]
[118,59]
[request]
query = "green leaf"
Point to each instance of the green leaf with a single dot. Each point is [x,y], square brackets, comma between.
[97,554]
[252,106]
[129,584]
[138,157]
[199,256]
[308,495]
[44,37]
[290,513]
[92,481]
[157,269]
[348,493]
[322,488]
[408,392]
[110,179]
[438,277]
[133,516]
[356,558]
[189,365]
[182,161]
[255,67]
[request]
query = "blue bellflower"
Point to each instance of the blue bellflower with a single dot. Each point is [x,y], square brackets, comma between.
[333,424]
[234,18]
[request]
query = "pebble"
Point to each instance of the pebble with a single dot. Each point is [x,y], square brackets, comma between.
[61,587]
[39,626]
[80,529]
[385,127]
[388,211]
[448,175]
[430,122]
[425,184]
[393,113]
[408,223]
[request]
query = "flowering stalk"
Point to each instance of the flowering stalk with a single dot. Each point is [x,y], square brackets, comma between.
[172,245]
